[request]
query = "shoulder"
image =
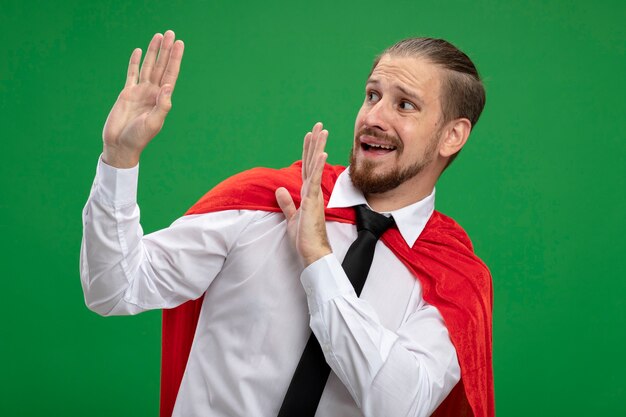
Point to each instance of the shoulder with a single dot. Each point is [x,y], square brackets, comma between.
[254,189]
[444,232]
[272,177]
[444,227]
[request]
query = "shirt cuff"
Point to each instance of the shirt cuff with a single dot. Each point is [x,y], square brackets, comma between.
[323,281]
[117,186]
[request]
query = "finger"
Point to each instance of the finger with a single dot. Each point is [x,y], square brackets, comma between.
[157,115]
[306,145]
[163,59]
[311,186]
[321,142]
[317,147]
[314,139]
[285,202]
[316,173]
[133,67]
[150,58]
[173,66]
[319,151]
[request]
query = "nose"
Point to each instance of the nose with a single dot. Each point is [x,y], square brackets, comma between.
[377,116]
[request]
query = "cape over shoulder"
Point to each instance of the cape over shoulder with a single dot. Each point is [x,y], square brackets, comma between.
[453,279]
[254,189]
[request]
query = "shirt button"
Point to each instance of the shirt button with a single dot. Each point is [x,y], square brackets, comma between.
[326,347]
[308,290]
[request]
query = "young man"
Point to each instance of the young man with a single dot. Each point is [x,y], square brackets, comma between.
[261,255]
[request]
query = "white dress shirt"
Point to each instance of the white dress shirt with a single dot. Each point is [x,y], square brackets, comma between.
[389,351]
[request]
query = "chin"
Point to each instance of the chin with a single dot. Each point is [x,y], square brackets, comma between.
[371,178]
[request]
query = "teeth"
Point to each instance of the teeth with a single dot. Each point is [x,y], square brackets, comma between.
[387,147]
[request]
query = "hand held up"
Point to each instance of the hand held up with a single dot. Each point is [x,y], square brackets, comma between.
[140,110]
[307,225]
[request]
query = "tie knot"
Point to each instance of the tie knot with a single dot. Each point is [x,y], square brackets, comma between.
[376,223]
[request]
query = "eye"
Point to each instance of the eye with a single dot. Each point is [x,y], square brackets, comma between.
[372,96]
[407,105]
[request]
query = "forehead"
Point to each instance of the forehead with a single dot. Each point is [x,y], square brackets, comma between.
[412,73]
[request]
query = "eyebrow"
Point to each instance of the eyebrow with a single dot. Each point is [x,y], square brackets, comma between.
[401,88]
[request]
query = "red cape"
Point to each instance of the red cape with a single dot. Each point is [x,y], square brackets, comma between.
[453,279]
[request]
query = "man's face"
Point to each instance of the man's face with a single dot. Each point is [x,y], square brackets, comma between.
[397,129]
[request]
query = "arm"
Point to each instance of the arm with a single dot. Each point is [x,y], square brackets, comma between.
[124,272]
[407,372]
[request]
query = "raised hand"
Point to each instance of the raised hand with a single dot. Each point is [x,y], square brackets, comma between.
[306,225]
[140,110]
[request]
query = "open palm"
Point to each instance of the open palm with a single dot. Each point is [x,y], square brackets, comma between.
[306,225]
[140,110]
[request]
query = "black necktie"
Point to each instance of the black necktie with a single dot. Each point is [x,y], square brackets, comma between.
[310,378]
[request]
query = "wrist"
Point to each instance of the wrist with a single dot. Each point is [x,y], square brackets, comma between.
[118,158]
[316,255]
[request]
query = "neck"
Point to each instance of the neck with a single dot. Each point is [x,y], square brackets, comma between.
[405,194]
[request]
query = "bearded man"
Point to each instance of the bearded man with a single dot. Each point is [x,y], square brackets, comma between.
[275,303]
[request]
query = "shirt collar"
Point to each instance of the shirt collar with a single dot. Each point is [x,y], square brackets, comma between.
[410,220]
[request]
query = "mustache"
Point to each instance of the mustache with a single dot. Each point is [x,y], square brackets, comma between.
[389,139]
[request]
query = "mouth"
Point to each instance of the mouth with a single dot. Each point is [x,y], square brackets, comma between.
[377,147]
[372,146]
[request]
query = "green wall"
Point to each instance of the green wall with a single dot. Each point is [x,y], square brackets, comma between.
[540,187]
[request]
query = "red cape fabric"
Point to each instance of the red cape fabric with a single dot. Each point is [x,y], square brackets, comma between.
[453,279]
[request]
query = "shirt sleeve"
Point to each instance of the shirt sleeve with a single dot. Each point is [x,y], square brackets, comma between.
[124,272]
[407,372]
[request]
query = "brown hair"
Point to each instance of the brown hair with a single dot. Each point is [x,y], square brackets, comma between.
[463,93]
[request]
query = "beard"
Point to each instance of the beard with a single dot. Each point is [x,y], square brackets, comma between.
[363,174]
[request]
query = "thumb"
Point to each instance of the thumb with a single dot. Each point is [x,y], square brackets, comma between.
[156,117]
[285,202]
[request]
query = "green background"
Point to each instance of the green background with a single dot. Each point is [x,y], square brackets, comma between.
[540,187]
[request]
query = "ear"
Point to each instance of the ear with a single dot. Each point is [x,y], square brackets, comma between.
[455,136]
